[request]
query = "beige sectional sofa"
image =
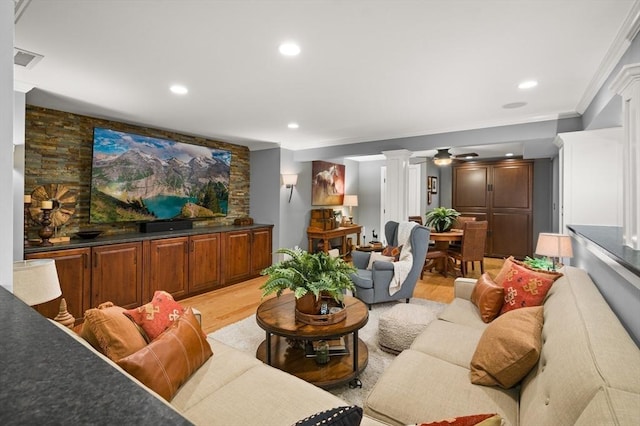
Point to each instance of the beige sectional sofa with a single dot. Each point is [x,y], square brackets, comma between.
[588,372]
[235,388]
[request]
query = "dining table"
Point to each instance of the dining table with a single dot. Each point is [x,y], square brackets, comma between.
[441,242]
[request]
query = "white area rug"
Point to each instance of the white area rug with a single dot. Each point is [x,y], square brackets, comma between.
[246,336]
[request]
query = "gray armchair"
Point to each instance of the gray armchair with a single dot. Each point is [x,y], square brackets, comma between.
[372,286]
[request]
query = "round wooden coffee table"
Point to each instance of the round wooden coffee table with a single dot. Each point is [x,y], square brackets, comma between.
[284,346]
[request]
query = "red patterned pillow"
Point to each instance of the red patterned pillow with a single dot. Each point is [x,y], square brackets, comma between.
[524,287]
[392,251]
[157,315]
[473,420]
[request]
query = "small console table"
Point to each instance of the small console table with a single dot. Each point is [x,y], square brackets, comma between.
[325,236]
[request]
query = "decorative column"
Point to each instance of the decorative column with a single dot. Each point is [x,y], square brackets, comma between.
[627,85]
[396,203]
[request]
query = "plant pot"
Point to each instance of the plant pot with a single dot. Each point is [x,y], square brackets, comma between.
[442,228]
[308,304]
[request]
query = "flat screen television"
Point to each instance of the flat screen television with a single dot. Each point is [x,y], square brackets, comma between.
[138,178]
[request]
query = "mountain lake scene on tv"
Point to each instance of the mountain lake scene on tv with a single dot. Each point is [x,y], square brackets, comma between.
[140,178]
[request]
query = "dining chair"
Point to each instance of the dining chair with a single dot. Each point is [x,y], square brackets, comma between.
[417,219]
[472,247]
[435,256]
[460,220]
[458,224]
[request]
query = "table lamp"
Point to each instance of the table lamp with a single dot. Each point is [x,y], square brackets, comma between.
[350,201]
[554,246]
[36,281]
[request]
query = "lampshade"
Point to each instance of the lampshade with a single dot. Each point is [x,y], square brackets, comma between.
[36,281]
[289,180]
[350,201]
[554,245]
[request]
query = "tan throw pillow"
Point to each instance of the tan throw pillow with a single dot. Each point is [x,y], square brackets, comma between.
[488,297]
[111,332]
[375,256]
[509,348]
[169,360]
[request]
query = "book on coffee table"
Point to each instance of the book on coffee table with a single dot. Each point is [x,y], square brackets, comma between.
[336,347]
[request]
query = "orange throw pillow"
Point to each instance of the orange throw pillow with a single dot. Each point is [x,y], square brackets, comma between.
[392,251]
[488,297]
[167,362]
[509,348]
[157,315]
[523,286]
[110,331]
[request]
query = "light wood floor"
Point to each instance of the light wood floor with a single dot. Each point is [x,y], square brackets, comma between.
[231,304]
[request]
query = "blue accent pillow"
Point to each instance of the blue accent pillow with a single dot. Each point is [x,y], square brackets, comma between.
[339,416]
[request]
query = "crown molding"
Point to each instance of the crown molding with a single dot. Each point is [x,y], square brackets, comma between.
[625,36]
[628,74]
[22,86]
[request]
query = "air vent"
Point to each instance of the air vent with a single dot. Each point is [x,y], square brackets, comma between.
[24,58]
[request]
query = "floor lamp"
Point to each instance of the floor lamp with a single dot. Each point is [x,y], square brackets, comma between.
[36,281]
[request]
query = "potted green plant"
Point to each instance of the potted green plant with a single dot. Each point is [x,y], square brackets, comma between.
[309,276]
[543,263]
[441,219]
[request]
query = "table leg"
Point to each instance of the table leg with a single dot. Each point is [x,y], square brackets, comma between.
[310,245]
[355,383]
[268,347]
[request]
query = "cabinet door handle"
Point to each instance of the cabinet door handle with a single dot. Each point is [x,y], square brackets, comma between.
[193,246]
[95,260]
[84,260]
[186,247]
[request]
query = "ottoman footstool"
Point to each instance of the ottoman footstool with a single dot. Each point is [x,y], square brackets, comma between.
[399,326]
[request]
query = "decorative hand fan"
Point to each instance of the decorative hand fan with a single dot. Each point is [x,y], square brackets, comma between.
[64,203]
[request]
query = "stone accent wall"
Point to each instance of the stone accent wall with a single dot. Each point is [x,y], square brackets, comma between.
[58,149]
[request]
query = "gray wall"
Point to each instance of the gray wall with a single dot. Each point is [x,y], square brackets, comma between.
[265,189]
[618,286]
[542,198]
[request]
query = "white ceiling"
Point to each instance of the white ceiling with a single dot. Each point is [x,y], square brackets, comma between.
[368,70]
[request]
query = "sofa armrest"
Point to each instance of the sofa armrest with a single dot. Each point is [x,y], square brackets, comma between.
[462,288]
[360,259]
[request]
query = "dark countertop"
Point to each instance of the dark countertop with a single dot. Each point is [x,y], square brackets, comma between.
[49,378]
[134,237]
[609,238]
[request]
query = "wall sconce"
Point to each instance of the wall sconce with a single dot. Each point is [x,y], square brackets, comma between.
[289,181]
[554,246]
[350,201]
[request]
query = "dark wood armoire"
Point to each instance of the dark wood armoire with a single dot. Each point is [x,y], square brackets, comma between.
[500,192]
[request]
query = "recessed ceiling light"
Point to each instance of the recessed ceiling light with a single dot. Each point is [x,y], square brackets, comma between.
[289,49]
[293,125]
[527,84]
[509,154]
[179,89]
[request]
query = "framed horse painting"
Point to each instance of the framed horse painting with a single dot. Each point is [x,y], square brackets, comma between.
[327,184]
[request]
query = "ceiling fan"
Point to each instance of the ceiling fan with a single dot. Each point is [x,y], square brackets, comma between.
[443,157]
